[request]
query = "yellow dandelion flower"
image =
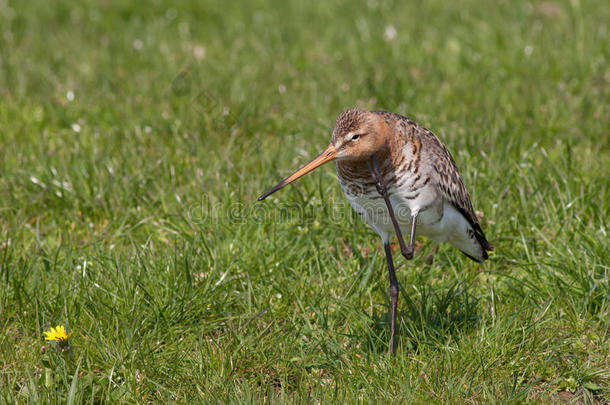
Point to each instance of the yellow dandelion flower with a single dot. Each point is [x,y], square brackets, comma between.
[58,334]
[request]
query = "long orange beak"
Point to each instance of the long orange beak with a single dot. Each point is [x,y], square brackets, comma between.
[329,154]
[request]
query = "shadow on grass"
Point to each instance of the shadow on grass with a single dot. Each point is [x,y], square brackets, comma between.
[428,316]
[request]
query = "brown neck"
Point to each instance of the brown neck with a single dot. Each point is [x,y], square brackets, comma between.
[358,170]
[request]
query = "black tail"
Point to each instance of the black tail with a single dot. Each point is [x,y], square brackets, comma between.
[478,233]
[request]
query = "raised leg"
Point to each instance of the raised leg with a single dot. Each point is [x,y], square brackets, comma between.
[393,295]
[407,251]
[410,247]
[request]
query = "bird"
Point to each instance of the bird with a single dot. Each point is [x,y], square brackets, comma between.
[402,180]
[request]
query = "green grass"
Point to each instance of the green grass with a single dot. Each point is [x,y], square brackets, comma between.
[136,136]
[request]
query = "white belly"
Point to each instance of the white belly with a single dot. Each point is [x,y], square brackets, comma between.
[436,218]
[372,207]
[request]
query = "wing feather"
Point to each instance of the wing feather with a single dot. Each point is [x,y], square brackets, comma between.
[448,178]
[451,185]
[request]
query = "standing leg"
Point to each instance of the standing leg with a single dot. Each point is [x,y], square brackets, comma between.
[393,295]
[407,251]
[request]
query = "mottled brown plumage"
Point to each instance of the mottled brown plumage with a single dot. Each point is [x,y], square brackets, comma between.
[430,162]
[401,179]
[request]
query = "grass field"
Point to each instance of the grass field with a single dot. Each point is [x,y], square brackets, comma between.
[136,136]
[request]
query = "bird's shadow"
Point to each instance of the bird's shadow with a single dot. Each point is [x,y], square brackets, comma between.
[427,316]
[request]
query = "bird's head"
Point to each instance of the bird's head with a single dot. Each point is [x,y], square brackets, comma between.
[356,136]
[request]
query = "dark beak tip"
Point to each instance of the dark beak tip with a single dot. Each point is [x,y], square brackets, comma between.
[265,195]
[273,190]
[317,162]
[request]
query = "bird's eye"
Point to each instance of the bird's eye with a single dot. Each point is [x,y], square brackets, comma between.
[354,137]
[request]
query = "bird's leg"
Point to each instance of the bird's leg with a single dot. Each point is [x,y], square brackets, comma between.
[393,295]
[410,248]
[407,252]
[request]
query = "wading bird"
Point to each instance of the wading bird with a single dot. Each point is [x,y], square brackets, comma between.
[400,178]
